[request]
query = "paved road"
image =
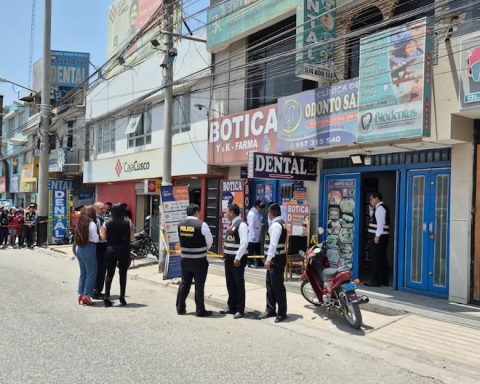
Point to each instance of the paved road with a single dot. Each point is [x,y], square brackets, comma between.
[48,338]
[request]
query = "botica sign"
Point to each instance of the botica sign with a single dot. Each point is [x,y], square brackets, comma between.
[270,166]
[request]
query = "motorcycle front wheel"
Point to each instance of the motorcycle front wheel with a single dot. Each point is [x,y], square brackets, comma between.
[308,293]
[350,311]
[154,250]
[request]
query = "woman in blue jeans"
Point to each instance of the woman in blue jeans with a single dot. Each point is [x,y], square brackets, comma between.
[86,237]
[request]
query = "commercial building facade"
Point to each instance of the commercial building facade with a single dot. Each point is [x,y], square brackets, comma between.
[360,91]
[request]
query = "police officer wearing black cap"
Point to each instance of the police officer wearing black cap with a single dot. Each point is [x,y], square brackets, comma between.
[235,255]
[276,260]
[195,240]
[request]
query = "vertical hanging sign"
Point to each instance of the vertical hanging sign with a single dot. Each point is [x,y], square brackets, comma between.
[174,210]
[315,27]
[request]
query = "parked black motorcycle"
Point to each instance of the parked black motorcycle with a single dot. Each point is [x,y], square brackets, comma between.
[143,245]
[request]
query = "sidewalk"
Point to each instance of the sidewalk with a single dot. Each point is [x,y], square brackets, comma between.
[385,300]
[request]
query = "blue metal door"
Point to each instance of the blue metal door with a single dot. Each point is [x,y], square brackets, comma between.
[427,242]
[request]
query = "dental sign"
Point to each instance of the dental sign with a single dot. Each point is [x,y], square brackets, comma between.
[470,73]
[316,21]
[270,166]
[395,83]
[233,137]
[59,192]
[322,117]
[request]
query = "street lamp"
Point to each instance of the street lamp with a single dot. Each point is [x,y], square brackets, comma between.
[33,97]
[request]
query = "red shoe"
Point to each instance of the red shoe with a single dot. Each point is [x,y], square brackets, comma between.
[87,301]
[80,297]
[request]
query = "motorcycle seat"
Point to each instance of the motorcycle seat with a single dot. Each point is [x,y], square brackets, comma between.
[328,273]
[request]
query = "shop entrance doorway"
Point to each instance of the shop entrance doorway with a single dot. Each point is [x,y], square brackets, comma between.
[148,206]
[386,184]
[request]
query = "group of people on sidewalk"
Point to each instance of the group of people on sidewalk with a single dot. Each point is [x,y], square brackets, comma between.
[102,243]
[17,227]
[195,241]
[243,239]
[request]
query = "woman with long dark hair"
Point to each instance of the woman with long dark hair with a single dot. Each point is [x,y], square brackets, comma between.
[118,233]
[86,237]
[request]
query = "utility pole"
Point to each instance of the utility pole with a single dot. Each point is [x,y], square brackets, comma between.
[167,64]
[42,197]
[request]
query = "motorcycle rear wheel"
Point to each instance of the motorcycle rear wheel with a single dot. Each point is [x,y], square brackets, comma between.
[308,293]
[350,311]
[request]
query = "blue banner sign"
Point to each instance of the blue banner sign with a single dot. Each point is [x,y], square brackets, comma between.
[325,116]
[59,192]
[395,72]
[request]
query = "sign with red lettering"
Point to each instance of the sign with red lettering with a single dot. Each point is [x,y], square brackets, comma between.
[233,137]
[298,220]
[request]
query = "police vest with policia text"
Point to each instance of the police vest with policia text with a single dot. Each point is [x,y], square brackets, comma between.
[232,240]
[192,242]
[372,224]
[281,251]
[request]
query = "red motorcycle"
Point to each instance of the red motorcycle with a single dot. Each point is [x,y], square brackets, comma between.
[331,288]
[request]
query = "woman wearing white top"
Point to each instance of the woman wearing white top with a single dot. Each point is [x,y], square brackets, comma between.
[86,237]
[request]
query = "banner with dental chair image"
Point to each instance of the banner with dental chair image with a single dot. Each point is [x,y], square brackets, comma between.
[395,86]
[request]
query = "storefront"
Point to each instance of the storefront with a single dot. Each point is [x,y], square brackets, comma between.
[135,179]
[416,188]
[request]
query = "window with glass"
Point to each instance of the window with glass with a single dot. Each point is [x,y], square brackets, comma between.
[139,129]
[271,65]
[106,136]
[181,114]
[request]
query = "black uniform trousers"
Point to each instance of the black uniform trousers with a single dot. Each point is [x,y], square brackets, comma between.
[235,277]
[29,232]
[101,266]
[276,293]
[379,261]
[3,234]
[192,269]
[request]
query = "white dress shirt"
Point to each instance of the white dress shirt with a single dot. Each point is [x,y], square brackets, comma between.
[254,220]
[274,231]
[205,232]
[380,217]
[93,232]
[243,234]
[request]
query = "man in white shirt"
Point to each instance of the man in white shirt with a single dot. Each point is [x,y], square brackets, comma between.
[195,240]
[378,232]
[235,257]
[255,223]
[276,259]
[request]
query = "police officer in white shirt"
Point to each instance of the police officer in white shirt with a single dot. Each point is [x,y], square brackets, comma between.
[195,240]
[254,220]
[276,259]
[235,257]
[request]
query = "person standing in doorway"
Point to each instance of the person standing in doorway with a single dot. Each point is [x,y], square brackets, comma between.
[254,220]
[195,240]
[378,234]
[276,260]
[100,210]
[235,257]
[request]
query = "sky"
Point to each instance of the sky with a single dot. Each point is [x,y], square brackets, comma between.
[77,25]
